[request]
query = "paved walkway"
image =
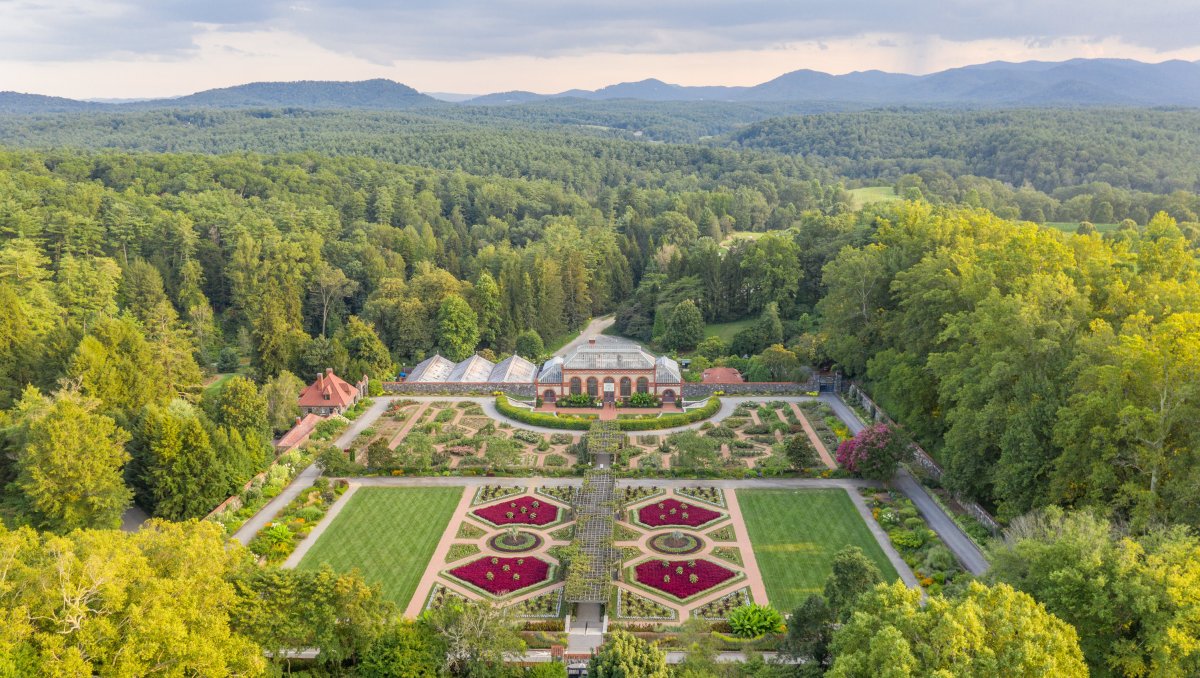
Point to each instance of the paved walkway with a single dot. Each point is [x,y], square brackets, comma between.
[305,478]
[951,534]
[594,330]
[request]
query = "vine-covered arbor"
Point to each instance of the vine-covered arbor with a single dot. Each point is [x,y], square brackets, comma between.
[589,578]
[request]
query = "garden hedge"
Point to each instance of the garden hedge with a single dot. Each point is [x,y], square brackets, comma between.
[581,424]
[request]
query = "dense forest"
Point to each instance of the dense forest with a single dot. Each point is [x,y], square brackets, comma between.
[1046,369]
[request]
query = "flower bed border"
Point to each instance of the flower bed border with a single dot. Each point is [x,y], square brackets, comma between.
[550,580]
[558,606]
[695,611]
[537,541]
[476,501]
[631,580]
[559,518]
[678,492]
[635,518]
[620,617]
[697,546]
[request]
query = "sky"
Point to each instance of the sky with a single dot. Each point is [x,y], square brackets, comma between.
[155,48]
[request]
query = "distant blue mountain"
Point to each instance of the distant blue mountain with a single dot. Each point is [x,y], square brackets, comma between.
[1078,82]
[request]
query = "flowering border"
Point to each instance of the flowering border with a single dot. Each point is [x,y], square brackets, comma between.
[617,609]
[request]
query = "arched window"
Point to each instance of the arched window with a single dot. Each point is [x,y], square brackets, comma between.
[668,396]
[576,386]
[643,385]
[626,386]
[593,387]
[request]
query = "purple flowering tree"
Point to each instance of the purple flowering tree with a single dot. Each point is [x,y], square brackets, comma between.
[874,452]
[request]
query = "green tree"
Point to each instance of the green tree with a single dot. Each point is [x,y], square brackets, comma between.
[404,650]
[627,656]
[329,287]
[366,352]
[69,463]
[891,634]
[685,327]
[338,614]
[485,296]
[239,405]
[478,637]
[178,473]
[712,347]
[780,364]
[800,451]
[853,575]
[810,630]
[114,364]
[279,395]
[457,328]
[529,345]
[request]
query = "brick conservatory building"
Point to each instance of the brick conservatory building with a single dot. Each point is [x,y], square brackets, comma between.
[610,371]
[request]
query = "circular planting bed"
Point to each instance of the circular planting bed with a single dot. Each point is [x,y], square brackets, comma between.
[524,510]
[521,541]
[682,579]
[502,576]
[674,512]
[676,543]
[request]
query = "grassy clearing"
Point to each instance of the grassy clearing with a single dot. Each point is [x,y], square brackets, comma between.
[871,194]
[796,533]
[388,533]
[727,330]
[217,383]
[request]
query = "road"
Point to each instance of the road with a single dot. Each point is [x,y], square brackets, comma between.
[308,476]
[594,330]
[952,535]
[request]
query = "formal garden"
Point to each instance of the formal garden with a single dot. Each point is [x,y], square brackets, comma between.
[681,551]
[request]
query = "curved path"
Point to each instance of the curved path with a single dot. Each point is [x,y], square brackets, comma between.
[593,330]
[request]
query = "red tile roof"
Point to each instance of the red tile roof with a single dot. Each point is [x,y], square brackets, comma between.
[722,375]
[328,390]
[299,432]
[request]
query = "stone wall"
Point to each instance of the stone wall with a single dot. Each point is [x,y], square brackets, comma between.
[476,389]
[921,458]
[695,390]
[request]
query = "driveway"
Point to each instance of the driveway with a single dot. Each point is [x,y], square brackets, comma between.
[594,330]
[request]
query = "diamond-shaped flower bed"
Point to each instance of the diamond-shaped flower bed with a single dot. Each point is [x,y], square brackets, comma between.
[669,512]
[682,579]
[501,577]
[524,510]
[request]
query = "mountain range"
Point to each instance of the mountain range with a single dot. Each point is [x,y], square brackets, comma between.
[1077,82]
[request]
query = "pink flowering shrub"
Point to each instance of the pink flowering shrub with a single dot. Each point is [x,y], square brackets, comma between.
[874,452]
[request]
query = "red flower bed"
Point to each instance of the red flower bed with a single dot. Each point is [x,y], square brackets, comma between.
[519,511]
[671,581]
[675,512]
[521,573]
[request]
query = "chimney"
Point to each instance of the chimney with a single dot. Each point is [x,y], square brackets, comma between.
[320,380]
[329,370]
[592,341]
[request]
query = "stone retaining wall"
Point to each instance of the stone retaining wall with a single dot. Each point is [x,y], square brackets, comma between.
[694,390]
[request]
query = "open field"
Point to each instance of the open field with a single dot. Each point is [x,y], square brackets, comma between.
[727,330]
[389,534]
[796,533]
[870,194]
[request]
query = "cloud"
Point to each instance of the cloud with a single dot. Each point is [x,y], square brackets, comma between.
[385,31]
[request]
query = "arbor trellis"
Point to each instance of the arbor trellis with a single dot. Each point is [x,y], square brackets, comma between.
[589,575]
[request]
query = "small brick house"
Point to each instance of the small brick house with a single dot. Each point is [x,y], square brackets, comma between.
[330,394]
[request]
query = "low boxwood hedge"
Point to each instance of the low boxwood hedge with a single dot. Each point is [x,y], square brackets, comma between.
[582,424]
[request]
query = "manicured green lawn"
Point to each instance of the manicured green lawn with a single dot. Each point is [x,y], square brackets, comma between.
[389,534]
[796,533]
[218,383]
[870,194]
[727,330]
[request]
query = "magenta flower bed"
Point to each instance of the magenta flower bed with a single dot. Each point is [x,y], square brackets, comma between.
[519,511]
[668,579]
[521,573]
[675,512]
